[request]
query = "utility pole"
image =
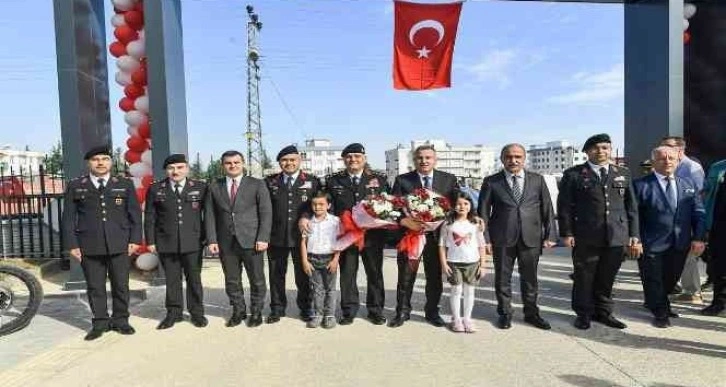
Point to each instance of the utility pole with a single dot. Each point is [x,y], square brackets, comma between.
[254,124]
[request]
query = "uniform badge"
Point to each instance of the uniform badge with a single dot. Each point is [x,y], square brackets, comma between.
[304,198]
[621,191]
[119,200]
[195,205]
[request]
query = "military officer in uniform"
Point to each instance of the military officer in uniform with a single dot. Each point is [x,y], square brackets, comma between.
[347,188]
[101,229]
[598,218]
[290,193]
[173,229]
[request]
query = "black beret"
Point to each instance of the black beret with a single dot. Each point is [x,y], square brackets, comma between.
[175,158]
[288,150]
[98,150]
[596,139]
[353,148]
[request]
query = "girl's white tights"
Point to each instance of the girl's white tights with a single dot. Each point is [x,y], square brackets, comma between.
[456,295]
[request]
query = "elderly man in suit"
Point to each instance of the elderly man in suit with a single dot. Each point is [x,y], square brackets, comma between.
[517,210]
[598,218]
[101,229]
[445,184]
[238,220]
[671,226]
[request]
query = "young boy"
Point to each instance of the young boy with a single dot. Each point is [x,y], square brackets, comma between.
[320,261]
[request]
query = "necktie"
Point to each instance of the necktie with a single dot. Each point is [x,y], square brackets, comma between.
[289,182]
[427,182]
[233,190]
[670,192]
[355,180]
[177,189]
[101,186]
[603,175]
[516,189]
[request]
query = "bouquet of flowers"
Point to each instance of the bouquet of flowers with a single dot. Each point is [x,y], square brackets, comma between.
[380,211]
[430,209]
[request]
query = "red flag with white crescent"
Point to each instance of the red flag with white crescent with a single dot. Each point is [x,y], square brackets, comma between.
[423,44]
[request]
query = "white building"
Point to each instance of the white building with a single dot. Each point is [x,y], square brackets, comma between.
[468,162]
[321,158]
[16,161]
[554,157]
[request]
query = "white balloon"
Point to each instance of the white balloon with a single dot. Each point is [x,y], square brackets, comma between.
[117,20]
[689,10]
[123,5]
[685,24]
[135,118]
[137,48]
[146,157]
[137,181]
[147,261]
[139,170]
[132,131]
[123,79]
[127,63]
[142,104]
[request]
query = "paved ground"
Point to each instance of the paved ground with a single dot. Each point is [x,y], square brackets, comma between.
[52,352]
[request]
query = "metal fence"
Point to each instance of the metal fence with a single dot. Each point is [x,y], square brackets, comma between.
[30,213]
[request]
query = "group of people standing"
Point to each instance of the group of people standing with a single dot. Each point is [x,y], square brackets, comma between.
[292,214]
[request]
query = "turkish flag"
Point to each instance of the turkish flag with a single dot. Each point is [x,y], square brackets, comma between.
[423,44]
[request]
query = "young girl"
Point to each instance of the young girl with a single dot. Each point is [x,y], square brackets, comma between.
[462,255]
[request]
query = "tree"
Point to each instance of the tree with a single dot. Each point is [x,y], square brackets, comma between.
[214,169]
[195,169]
[119,165]
[54,160]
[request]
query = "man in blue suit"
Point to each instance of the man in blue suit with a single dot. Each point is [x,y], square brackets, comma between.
[672,226]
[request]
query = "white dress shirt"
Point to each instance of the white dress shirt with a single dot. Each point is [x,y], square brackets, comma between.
[423,182]
[94,179]
[323,234]
[596,168]
[294,176]
[663,183]
[519,174]
[181,184]
[229,184]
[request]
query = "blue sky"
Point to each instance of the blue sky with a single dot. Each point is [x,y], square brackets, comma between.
[523,71]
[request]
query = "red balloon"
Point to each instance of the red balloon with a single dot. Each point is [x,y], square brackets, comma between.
[125,34]
[134,91]
[138,77]
[139,6]
[134,19]
[132,157]
[144,130]
[147,180]
[686,37]
[137,144]
[126,104]
[117,49]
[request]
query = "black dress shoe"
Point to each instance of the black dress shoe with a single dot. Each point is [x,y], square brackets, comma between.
[661,322]
[255,320]
[582,322]
[169,321]
[504,322]
[676,290]
[346,320]
[273,318]
[398,320]
[199,321]
[672,314]
[305,317]
[124,329]
[236,319]
[712,310]
[95,333]
[537,321]
[436,321]
[376,319]
[610,321]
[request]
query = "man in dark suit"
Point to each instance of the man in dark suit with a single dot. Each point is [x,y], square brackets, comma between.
[173,229]
[445,184]
[717,245]
[598,218]
[672,223]
[347,188]
[290,192]
[517,211]
[101,229]
[238,219]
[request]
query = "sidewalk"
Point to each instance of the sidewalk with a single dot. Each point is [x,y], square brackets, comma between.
[691,353]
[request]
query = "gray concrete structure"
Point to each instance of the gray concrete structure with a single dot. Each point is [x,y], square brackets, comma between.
[82,88]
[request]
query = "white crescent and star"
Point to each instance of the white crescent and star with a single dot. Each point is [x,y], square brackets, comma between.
[424,52]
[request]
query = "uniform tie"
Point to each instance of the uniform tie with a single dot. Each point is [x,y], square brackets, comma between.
[603,175]
[101,186]
[355,179]
[289,181]
[177,189]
